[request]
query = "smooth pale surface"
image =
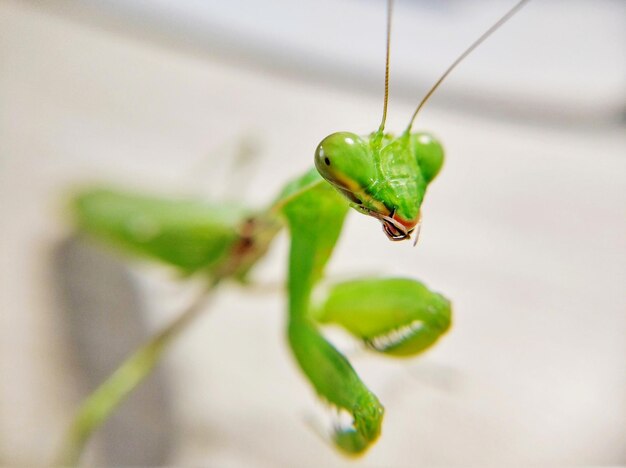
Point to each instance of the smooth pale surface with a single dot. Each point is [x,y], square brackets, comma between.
[559,60]
[524,230]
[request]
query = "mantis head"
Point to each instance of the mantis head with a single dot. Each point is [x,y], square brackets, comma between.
[348,162]
[382,177]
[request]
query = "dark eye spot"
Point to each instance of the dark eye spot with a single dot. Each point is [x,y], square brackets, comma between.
[327,161]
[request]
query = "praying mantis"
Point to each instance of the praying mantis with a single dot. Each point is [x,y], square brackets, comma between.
[379,175]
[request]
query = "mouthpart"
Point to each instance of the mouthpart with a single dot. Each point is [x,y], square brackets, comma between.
[394,230]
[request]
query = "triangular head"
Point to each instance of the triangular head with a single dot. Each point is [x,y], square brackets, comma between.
[382,176]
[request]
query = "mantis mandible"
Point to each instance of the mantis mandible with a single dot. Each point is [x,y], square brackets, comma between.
[378,175]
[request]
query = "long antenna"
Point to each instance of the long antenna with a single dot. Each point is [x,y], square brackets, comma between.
[476,43]
[389,11]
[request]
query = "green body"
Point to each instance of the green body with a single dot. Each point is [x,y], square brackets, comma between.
[378,175]
[394,317]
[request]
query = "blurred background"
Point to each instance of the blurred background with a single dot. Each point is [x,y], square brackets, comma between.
[525,228]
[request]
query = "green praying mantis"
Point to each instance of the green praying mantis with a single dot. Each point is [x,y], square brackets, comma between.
[378,175]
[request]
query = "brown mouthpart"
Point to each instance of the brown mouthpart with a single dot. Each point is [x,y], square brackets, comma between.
[394,227]
[395,230]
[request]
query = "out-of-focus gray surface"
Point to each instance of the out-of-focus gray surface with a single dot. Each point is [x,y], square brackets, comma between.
[524,230]
[100,306]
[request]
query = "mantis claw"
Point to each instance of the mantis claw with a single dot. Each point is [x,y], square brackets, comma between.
[394,316]
[336,382]
[366,427]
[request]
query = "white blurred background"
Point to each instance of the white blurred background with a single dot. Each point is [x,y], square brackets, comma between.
[525,228]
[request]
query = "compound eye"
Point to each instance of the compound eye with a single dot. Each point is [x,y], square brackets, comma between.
[322,158]
[324,161]
[337,156]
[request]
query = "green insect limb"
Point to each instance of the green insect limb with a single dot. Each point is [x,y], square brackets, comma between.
[336,382]
[394,316]
[193,236]
[189,235]
[315,218]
